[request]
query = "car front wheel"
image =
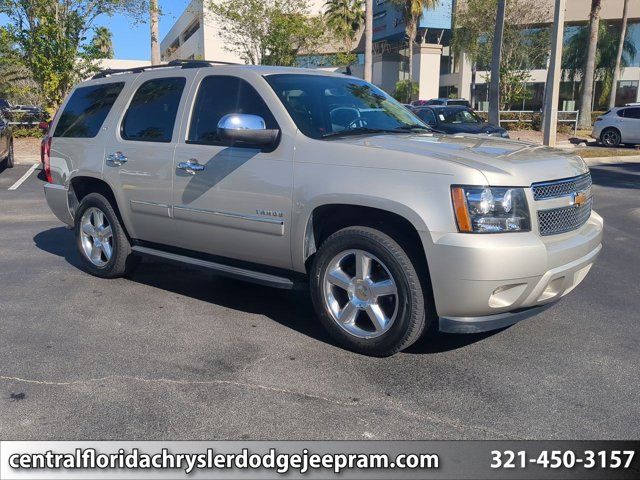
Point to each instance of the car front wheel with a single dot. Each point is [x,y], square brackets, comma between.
[367,293]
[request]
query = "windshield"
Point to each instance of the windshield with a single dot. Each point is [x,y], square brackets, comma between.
[458,115]
[323,106]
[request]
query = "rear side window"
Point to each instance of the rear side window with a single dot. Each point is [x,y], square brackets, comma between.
[152,113]
[86,110]
[219,96]
[427,116]
[632,113]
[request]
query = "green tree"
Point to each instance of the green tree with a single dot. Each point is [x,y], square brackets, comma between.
[412,11]
[51,36]
[344,18]
[573,58]
[15,82]
[523,48]
[405,90]
[102,42]
[267,32]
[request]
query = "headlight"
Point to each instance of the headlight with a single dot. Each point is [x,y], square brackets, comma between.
[490,209]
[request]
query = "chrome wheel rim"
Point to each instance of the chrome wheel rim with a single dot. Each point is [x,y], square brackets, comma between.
[610,138]
[96,237]
[360,294]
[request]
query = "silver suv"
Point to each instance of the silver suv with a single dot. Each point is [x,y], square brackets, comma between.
[279,175]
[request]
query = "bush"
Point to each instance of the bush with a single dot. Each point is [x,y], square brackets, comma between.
[402,91]
[27,132]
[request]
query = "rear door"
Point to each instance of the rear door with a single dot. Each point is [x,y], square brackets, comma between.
[138,161]
[239,204]
[631,125]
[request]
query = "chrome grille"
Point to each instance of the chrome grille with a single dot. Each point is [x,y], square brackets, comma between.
[561,188]
[563,219]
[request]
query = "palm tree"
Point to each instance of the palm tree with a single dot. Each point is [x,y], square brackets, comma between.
[368,40]
[412,11]
[102,41]
[606,64]
[621,42]
[154,13]
[584,114]
[344,18]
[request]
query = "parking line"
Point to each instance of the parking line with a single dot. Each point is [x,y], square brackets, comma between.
[24,177]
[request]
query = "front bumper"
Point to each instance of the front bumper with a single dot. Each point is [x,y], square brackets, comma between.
[58,200]
[483,282]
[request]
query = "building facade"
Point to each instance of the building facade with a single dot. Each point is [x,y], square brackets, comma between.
[195,35]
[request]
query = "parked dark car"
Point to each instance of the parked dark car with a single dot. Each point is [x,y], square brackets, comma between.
[24,114]
[441,101]
[457,119]
[5,105]
[6,142]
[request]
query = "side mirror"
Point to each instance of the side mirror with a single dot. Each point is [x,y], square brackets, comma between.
[43,126]
[240,127]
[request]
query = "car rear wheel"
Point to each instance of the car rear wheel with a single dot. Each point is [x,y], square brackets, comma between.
[610,137]
[104,247]
[367,293]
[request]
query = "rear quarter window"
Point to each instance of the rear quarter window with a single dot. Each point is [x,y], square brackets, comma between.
[86,110]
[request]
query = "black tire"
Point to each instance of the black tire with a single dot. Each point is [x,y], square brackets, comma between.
[411,318]
[10,157]
[610,137]
[122,260]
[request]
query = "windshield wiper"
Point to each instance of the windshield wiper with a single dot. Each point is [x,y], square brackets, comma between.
[359,131]
[411,128]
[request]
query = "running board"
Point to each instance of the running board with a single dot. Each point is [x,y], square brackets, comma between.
[227,270]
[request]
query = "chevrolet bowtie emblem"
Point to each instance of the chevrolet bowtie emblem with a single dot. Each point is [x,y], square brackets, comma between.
[578,199]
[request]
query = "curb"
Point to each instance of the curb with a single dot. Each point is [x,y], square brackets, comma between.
[612,160]
[27,160]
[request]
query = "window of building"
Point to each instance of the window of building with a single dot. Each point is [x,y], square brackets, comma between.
[627,92]
[152,114]
[175,45]
[191,29]
[87,110]
[633,36]
[219,96]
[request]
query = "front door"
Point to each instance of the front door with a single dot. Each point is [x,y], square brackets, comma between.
[232,201]
[139,154]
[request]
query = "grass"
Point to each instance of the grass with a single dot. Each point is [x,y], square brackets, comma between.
[596,152]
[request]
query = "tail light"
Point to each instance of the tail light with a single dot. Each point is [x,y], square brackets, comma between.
[45,157]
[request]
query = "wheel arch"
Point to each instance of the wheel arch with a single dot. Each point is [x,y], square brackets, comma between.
[324,219]
[82,185]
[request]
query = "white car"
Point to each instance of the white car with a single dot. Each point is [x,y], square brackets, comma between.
[618,125]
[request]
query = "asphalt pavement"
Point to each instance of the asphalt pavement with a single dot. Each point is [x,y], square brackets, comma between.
[177,353]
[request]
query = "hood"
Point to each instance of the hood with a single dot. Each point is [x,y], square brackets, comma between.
[502,161]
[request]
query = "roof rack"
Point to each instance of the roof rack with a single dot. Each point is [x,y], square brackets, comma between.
[182,64]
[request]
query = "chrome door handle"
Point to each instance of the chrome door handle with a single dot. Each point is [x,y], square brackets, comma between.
[116,159]
[191,167]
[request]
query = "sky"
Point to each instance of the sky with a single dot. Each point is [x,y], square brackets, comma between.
[131,38]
